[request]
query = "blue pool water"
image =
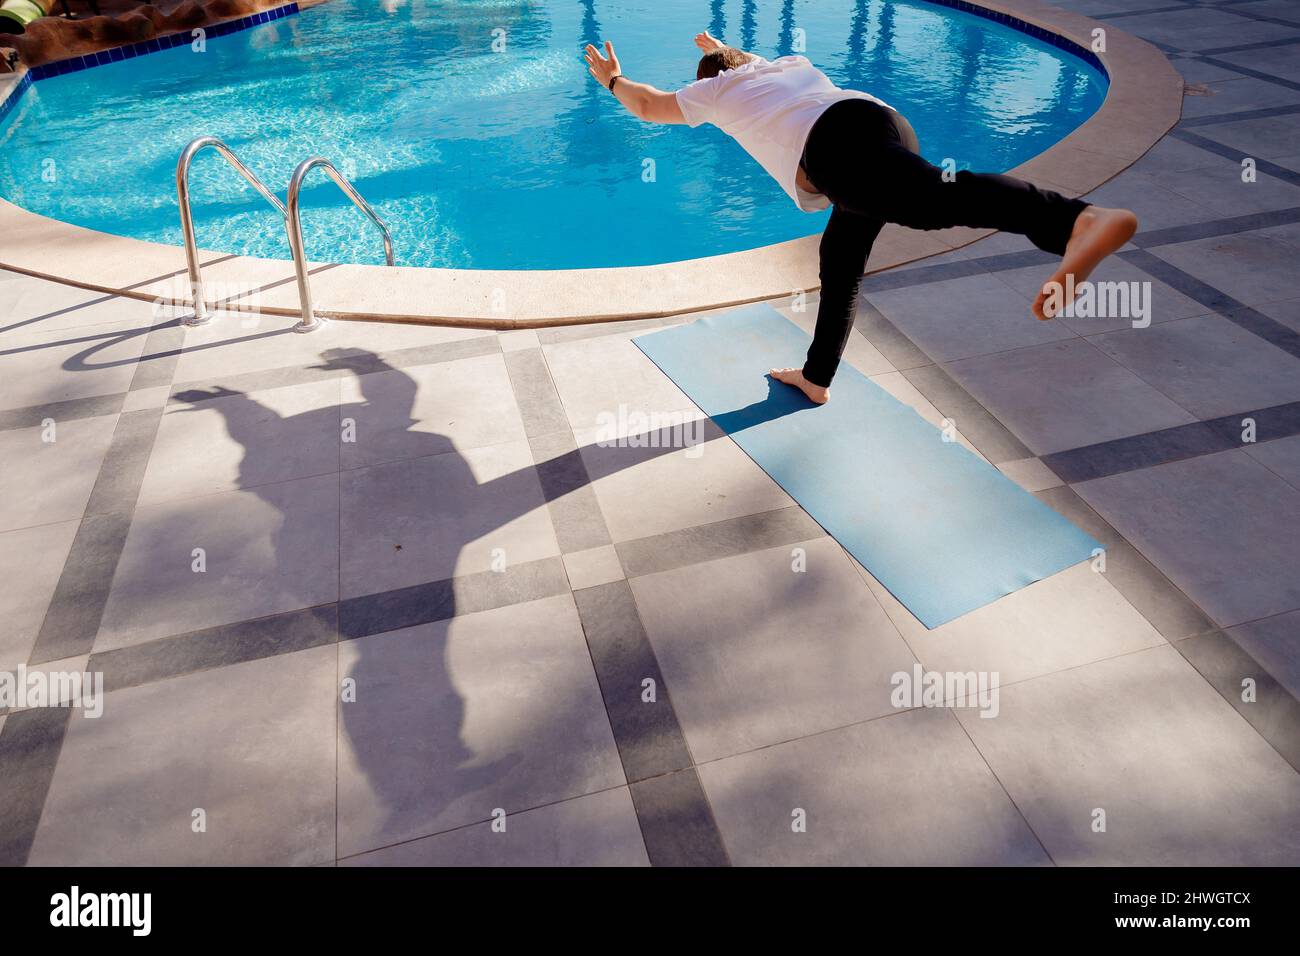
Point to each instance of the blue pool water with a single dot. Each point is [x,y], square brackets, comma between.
[514,159]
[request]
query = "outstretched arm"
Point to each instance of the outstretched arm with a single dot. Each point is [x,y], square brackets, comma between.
[642,100]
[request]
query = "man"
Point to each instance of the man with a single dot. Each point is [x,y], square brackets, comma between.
[846,149]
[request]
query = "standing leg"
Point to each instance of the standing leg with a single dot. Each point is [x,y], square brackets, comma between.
[844,249]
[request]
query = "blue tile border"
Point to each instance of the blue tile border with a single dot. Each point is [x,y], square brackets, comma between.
[1037,32]
[116,54]
[168,41]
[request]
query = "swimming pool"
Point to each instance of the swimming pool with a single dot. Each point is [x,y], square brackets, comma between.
[486,149]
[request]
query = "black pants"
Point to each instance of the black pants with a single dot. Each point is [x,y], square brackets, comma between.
[864,158]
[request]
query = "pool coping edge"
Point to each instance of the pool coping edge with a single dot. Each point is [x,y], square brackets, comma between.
[1143,102]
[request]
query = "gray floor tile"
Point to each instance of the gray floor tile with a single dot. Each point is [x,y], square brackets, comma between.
[1248,93]
[1287,312]
[648,491]
[1156,207]
[31,560]
[962,317]
[1182,779]
[1221,189]
[596,830]
[905,790]
[251,745]
[1201,522]
[456,719]
[1282,457]
[426,519]
[597,376]
[755,652]
[244,440]
[1069,619]
[1275,643]
[58,366]
[1065,395]
[1267,138]
[1206,364]
[412,412]
[44,482]
[1166,303]
[268,550]
[1249,267]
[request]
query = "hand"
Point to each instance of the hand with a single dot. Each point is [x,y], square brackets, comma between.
[601,68]
[707,42]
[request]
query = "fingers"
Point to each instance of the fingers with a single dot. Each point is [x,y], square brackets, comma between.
[609,49]
[593,55]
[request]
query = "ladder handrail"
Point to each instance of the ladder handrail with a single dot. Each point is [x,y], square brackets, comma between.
[293,222]
[201,313]
[290,213]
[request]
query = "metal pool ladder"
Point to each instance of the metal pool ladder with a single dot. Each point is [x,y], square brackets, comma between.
[292,223]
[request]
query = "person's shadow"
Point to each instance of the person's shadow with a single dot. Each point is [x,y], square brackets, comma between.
[394,742]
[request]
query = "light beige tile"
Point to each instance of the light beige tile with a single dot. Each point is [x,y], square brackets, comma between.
[265,550]
[428,519]
[1182,778]
[518,340]
[600,829]
[44,481]
[142,398]
[1071,618]
[429,409]
[1030,474]
[754,651]
[251,745]
[597,376]
[453,720]
[586,569]
[645,491]
[243,440]
[31,560]
[905,790]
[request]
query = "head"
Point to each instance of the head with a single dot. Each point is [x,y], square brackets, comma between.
[725,58]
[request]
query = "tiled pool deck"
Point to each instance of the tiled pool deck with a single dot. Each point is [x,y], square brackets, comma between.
[489,588]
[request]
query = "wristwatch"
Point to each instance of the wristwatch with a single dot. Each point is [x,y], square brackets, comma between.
[612,79]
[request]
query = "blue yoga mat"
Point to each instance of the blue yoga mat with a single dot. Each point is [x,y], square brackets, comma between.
[942,530]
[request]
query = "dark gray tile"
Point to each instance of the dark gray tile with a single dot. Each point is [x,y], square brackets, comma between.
[439,600]
[720,539]
[650,740]
[216,647]
[162,350]
[30,742]
[900,351]
[118,485]
[71,410]
[677,822]
[539,403]
[77,607]
[566,485]
[985,432]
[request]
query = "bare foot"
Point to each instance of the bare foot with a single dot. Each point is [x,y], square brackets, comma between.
[1097,233]
[818,394]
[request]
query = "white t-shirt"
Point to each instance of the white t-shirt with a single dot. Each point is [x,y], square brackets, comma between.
[768,107]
